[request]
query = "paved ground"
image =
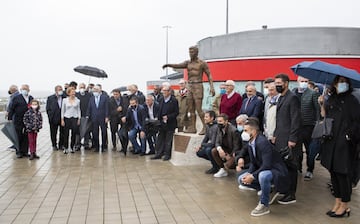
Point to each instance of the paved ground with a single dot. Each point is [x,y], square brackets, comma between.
[110,188]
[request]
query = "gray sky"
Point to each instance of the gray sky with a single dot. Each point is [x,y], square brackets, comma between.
[43,40]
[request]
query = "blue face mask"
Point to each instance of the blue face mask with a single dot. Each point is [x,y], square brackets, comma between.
[240,128]
[24,92]
[222,91]
[342,87]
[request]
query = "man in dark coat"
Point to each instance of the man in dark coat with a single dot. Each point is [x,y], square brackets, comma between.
[168,111]
[117,110]
[266,168]
[18,107]
[98,112]
[152,111]
[84,96]
[53,110]
[286,134]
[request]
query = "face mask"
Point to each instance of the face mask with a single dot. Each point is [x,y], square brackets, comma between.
[245,136]
[266,91]
[240,128]
[9,92]
[342,87]
[60,92]
[221,126]
[303,85]
[82,90]
[133,107]
[24,92]
[34,107]
[96,94]
[279,89]
[90,90]
[222,91]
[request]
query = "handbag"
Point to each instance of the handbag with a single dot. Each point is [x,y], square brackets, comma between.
[323,129]
[286,154]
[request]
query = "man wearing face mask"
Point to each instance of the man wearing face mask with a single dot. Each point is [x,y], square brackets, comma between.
[286,134]
[98,113]
[266,168]
[18,107]
[242,156]
[310,113]
[53,110]
[84,96]
[227,143]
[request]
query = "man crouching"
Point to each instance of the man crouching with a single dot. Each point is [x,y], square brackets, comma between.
[266,168]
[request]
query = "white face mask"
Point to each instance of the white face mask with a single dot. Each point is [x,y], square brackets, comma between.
[342,87]
[266,91]
[245,136]
[96,94]
[303,85]
[34,107]
[82,90]
[60,93]
[24,92]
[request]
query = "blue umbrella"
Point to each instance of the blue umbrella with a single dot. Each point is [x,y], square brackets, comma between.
[323,72]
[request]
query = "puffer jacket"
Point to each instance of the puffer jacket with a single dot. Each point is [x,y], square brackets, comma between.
[32,120]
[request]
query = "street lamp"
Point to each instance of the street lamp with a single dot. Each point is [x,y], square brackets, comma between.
[167,27]
[227,16]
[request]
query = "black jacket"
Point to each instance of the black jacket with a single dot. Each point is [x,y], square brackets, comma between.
[141,116]
[17,109]
[53,109]
[171,110]
[114,115]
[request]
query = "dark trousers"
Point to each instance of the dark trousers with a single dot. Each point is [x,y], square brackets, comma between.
[314,150]
[114,128]
[23,140]
[70,124]
[53,135]
[293,169]
[124,137]
[164,143]
[306,139]
[95,132]
[205,152]
[229,163]
[341,184]
[151,138]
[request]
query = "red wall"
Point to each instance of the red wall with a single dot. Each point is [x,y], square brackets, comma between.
[260,69]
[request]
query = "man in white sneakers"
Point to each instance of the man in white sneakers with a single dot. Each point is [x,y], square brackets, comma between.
[266,168]
[227,143]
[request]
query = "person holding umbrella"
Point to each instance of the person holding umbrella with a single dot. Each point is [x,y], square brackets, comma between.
[339,151]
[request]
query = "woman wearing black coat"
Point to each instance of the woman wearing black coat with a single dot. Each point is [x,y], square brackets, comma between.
[338,152]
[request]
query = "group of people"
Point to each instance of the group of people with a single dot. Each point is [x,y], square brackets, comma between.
[262,136]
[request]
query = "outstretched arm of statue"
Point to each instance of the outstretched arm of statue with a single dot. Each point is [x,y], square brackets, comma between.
[181,65]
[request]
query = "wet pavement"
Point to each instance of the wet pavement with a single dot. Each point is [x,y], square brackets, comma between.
[90,187]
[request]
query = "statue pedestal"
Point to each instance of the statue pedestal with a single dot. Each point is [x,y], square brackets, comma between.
[183,151]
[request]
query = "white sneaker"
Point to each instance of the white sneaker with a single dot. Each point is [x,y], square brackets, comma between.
[308,176]
[259,193]
[246,188]
[260,210]
[221,173]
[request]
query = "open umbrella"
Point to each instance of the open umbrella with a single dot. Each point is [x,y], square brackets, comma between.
[10,132]
[323,72]
[91,71]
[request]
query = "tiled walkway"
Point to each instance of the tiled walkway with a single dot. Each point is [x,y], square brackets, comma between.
[110,188]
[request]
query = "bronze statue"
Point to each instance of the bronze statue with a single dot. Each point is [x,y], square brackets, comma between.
[195,68]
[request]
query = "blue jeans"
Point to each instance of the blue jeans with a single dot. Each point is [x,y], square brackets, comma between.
[264,183]
[205,152]
[133,133]
[314,150]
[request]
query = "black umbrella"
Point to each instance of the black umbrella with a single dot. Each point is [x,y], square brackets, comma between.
[91,71]
[10,132]
[85,126]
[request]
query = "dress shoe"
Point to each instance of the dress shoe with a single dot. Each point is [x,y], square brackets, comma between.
[123,151]
[19,156]
[345,213]
[36,156]
[166,158]
[212,170]
[134,152]
[54,148]
[142,153]
[155,157]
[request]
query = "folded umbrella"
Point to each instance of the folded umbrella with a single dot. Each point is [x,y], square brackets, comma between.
[85,126]
[10,132]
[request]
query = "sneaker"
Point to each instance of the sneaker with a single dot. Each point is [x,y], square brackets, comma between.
[221,173]
[259,193]
[274,197]
[308,176]
[260,210]
[246,188]
[287,199]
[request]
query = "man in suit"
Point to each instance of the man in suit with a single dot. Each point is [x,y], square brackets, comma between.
[266,168]
[227,143]
[135,121]
[84,96]
[157,93]
[168,111]
[53,110]
[286,134]
[18,107]
[251,105]
[134,91]
[117,110]
[98,112]
[152,110]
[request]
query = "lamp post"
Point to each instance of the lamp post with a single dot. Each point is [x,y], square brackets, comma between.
[167,27]
[227,16]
